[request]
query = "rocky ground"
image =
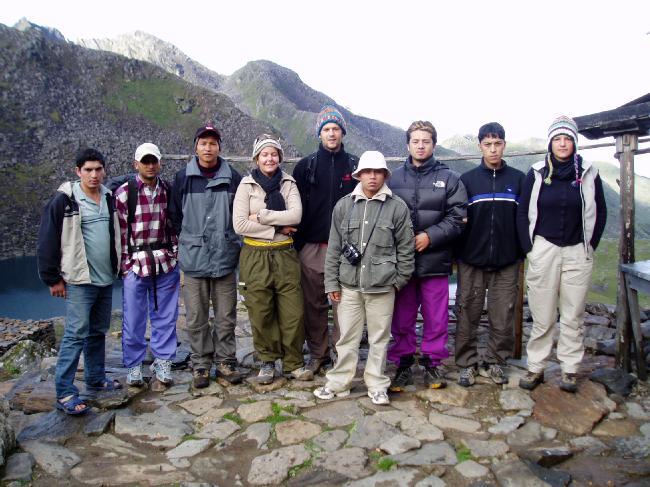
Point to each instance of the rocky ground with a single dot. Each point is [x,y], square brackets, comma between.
[249,434]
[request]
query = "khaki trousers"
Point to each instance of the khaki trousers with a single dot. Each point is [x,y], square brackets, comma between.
[270,283]
[312,266]
[211,341]
[355,309]
[557,277]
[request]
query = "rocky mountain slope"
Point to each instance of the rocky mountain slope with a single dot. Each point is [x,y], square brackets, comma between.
[57,97]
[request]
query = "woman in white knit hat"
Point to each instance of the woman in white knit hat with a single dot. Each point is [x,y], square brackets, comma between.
[560,220]
[266,212]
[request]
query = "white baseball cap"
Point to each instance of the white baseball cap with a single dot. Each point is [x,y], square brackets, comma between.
[147,149]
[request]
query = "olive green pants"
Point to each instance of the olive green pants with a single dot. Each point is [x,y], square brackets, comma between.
[269,281]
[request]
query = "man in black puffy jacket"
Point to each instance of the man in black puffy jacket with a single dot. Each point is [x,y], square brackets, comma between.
[437,202]
[489,259]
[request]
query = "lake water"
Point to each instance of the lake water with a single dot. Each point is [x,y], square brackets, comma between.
[23,295]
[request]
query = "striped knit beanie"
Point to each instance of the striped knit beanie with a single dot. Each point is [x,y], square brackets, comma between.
[564,125]
[266,140]
[330,114]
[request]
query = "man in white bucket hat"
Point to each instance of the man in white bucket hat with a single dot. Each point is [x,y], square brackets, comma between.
[370,255]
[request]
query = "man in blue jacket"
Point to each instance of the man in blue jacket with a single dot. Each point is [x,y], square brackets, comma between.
[208,254]
[78,249]
[489,260]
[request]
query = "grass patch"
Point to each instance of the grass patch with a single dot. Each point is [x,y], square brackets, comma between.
[463,454]
[189,437]
[234,417]
[352,428]
[385,464]
[312,447]
[277,416]
[294,471]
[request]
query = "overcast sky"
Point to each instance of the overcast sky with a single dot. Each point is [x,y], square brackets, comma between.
[459,64]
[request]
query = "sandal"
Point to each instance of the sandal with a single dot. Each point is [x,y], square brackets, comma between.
[70,406]
[106,386]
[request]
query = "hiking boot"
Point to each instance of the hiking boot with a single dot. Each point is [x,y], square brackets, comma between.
[200,378]
[531,380]
[227,371]
[327,393]
[403,377]
[494,372]
[466,377]
[319,365]
[134,377]
[569,382]
[434,378]
[379,397]
[303,373]
[163,370]
[266,374]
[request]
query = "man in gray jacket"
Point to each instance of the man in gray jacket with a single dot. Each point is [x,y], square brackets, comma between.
[208,254]
[369,256]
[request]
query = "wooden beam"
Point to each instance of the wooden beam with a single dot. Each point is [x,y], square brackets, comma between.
[626,145]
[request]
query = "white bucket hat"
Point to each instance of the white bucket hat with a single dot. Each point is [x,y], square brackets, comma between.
[371,159]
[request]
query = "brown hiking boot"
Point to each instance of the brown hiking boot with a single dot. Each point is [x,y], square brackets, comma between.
[319,364]
[227,371]
[569,382]
[531,380]
[201,378]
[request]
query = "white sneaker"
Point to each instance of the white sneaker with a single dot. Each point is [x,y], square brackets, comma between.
[163,370]
[327,393]
[134,377]
[379,397]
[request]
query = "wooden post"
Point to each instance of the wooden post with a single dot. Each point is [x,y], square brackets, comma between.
[626,145]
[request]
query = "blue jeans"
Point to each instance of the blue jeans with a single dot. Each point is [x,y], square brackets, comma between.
[87,319]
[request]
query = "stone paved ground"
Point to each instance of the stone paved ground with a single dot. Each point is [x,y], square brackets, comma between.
[280,434]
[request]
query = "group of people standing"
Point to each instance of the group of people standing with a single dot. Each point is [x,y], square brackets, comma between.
[378,245]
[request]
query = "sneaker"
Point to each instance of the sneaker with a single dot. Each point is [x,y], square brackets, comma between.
[494,372]
[200,378]
[531,380]
[319,365]
[569,382]
[466,377]
[163,370]
[303,373]
[327,393]
[403,377]
[434,378]
[227,371]
[266,374]
[379,397]
[134,377]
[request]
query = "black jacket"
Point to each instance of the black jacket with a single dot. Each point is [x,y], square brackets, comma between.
[490,238]
[328,180]
[437,201]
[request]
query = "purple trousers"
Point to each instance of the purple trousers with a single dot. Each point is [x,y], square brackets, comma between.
[137,302]
[432,295]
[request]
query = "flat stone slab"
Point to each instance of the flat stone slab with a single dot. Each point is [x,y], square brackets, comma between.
[393,418]
[330,440]
[111,473]
[589,445]
[54,459]
[257,432]
[401,477]
[219,430]
[189,449]
[55,426]
[452,395]
[441,453]
[531,432]
[202,405]
[412,407]
[574,413]
[370,432]
[212,416]
[213,389]
[633,447]
[471,469]
[163,428]
[444,422]
[421,429]
[636,411]
[488,449]
[515,473]
[273,468]
[399,444]
[615,428]
[547,457]
[514,400]
[350,462]
[255,411]
[507,425]
[295,431]
[19,467]
[99,424]
[616,381]
[336,414]
[116,445]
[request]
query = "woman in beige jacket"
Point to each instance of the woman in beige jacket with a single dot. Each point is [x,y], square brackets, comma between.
[266,212]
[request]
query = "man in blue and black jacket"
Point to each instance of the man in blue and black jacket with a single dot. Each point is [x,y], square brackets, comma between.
[489,259]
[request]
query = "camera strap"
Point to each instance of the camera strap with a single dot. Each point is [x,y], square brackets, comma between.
[349,215]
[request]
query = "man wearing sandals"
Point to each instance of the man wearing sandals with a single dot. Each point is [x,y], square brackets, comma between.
[78,249]
[148,266]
